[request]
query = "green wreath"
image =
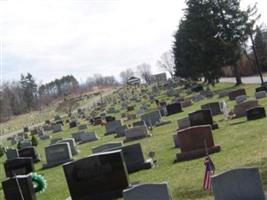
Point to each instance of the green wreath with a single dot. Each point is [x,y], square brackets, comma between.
[39,183]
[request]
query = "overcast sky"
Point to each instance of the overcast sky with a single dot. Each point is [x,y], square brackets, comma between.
[52,38]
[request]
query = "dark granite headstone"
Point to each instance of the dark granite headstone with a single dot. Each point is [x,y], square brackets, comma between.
[13,186]
[73,124]
[29,152]
[97,177]
[202,117]
[214,107]
[18,166]
[256,113]
[134,158]
[235,93]
[174,108]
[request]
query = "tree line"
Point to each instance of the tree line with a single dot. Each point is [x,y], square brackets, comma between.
[25,95]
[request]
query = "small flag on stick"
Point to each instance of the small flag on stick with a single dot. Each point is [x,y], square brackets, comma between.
[209,170]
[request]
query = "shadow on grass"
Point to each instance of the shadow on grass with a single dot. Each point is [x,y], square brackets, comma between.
[227,88]
[191,194]
[262,165]
[237,123]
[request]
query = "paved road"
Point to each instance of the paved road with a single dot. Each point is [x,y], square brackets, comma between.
[248,80]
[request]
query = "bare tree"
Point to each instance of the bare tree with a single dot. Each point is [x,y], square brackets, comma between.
[125,75]
[166,62]
[144,70]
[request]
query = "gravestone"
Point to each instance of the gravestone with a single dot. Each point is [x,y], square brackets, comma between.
[261,88]
[30,152]
[223,93]
[88,137]
[112,126]
[238,184]
[136,133]
[26,129]
[260,95]
[77,136]
[72,144]
[97,177]
[183,123]
[57,154]
[202,117]
[120,131]
[196,88]
[186,103]
[25,143]
[176,140]
[14,186]
[148,191]
[240,99]
[134,157]
[105,147]
[56,128]
[256,113]
[13,141]
[73,124]
[174,108]
[11,154]
[192,142]
[198,98]
[240,109]
[130,108]
[139,123]
[131,116]
[55,140]
[18,166]
[214,108]
[152,118]
[235,93]
[82,127]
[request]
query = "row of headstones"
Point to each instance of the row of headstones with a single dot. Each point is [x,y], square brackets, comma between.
[104,176]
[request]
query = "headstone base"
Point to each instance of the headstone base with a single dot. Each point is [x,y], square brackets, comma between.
[54,164]
[196,154]
[148,164]
[161,123]
[86,141]
[136,138]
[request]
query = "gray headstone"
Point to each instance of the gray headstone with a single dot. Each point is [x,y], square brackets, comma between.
[72,144]
[148,192]
[57,154]
[183,123]
[11,154]
[88,137]
[82,127]
[105,147]
[176,140]
[112,126]
[260,95]
[152,118]
[136,132]
[240,99]
[238,184]
[25,143]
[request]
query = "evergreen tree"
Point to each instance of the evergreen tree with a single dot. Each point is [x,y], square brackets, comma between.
[29,88]
[261,49]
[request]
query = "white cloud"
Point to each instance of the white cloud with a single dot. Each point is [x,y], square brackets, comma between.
[83,37]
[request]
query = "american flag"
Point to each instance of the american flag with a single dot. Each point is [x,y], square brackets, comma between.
[209,171]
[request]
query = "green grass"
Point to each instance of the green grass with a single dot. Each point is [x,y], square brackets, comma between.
[244,144]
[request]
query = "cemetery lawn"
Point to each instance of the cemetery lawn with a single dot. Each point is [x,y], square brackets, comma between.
[243,144]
